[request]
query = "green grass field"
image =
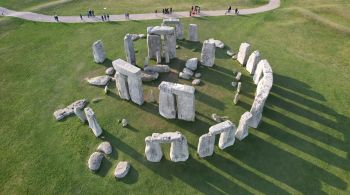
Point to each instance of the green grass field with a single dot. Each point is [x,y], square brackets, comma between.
[301,146]
[75,7]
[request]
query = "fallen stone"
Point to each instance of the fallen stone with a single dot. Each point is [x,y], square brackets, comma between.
[217,118]
[196,82]
[230,53]
[80,114]
[151,97]
[105,147]
[234,57]
[157,68]
[184,76]
[122,169]
[149,76]
[217,43]
[110,71]
[177,47]
[64,112]
[234,84]
[197,75]
[192,64]
[95,160]
[188,71]
[99,81]
[124,122]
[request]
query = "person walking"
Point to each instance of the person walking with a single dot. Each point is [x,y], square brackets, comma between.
[108,17]
[102,18]
[81,17]
[236,11]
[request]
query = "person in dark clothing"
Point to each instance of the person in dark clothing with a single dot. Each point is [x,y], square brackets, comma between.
[103,19]
[171,10]
[108,17]
[163,11]
[81,17]
[236,11]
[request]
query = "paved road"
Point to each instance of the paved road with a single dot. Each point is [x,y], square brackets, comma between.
[273,4]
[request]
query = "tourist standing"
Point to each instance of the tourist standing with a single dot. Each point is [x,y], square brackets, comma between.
[108,17]
[236,11]
[81,17]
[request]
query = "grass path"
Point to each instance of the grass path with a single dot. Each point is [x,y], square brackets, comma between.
[273,4]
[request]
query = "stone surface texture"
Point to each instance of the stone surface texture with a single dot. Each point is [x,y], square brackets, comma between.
[242,129]
[253,60]
[105,147]
[122,169]
[157,68]
[208,54]
[129,49]
[99,80]
[243,53]
[93,124]
[64,112]
[193,33]
[192,64]
[206,145]
[98,52]
[95,160]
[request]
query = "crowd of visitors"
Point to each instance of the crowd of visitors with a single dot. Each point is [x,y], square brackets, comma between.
[168,10]
[195,10]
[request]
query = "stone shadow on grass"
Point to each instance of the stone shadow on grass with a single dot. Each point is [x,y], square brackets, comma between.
[192,172]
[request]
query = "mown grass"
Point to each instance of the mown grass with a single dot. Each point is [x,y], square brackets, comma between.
[301,145]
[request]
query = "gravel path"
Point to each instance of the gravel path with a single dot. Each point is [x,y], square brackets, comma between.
[273,4]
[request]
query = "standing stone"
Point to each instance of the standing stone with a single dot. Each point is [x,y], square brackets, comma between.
[80,114]
[242,56]
[179,31]
[239,86]
[179,150]
[253,60]
[208,53]
[186,106]
[242,130]
[98,52]
[153,150]
[167,104]
[227,130]
[154,45]
[122,169]
[170,42]
[129,49]
[193,33]
[236,99]
[206,145]
[159,58]
[134,82]
[121,85]
[95,160]
[93,124]
[238,76]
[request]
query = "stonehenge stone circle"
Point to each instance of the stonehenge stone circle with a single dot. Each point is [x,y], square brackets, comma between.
[178,148]
[217,43]
[238,76]
[105,147]
[179,30]
[259,72]
[122,169]
[227,132]
[98,52]
[236,98]
[193,33]
[242,129]
[93,124]
[185,101]
[170,46]
[64,112]
[110,71]
[253,60]
[95,160]
[242,56]
[208,53]
[129,49]
[128,81]
[161,30]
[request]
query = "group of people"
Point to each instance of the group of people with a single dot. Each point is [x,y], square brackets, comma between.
[230,9]
[195,10]
[105,17]
[168,10]
[91,13]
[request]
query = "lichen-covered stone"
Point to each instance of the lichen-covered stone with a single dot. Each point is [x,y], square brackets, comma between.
[98,52]
[105,147]
[206,145]
[253,60]
[193,33]
[64,112]
[122,169]
[242,130]
[208,54]
[192,64]
[95,160]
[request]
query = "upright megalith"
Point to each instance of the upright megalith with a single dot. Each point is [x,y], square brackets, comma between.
[178,148]
[253,60]
[78,111]
[129,49]
[208,53]
[227,132]
[193,33]
[128,81]
[154,45]
[177,99]
[242,129]
[175,22]
[262,92]
[243,53]
[259,72]
[98,52]
[93,124]
[206,142]
[157,49]
[206,145]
